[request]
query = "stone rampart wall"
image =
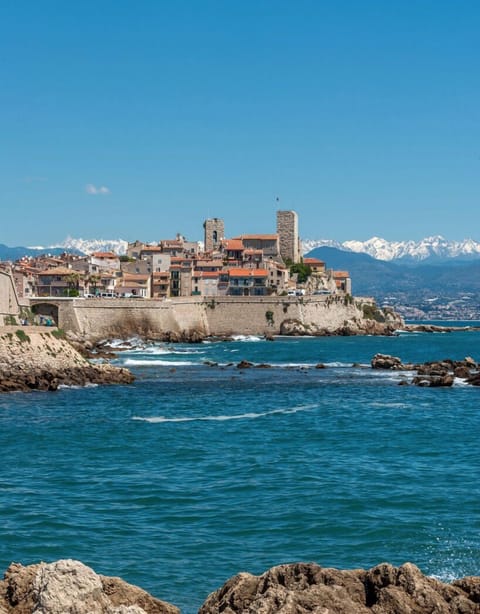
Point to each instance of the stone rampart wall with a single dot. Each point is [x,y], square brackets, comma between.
[254,315]
[210,316]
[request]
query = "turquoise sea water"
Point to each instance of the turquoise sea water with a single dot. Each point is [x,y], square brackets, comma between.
[197,472]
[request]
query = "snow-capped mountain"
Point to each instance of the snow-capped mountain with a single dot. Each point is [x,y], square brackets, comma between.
[87,246]
[430,248]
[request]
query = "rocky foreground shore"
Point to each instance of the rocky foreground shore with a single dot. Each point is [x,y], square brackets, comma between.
[69,587]
[43,360]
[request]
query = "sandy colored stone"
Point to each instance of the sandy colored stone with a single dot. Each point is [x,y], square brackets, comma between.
[70,587]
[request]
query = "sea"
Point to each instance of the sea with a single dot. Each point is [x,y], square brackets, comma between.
[200,470]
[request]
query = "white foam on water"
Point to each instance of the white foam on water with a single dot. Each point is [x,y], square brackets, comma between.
[132,342]
[76,386]
[154,350]
[460,382]
[134,362]
[245,416]
[247,338]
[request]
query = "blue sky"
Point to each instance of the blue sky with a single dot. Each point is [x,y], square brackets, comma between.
[140,119]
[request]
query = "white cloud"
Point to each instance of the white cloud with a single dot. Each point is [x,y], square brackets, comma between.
[91,189]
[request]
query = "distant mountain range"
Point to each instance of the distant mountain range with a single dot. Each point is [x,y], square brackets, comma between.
[15,253]
[446,290]
[429,250]
[87,246]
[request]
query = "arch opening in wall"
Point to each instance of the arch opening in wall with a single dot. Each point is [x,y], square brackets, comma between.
[46,313]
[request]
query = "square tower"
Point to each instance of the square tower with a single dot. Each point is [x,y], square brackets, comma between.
[214,233]
[287,230]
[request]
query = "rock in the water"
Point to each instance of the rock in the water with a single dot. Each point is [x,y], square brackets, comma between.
[70,587]
[307,587]
[384,361]
[244,364]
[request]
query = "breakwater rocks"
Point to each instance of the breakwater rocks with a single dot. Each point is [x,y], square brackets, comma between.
[69,587]
[432,374]
[43,360]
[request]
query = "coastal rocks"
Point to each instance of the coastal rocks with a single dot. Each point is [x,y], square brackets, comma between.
[384,361]
[438,373]
[244,364]
[45,361]
[293,328]
[434,328]
[355,326]
[433,381]
[307,587]
[70,587]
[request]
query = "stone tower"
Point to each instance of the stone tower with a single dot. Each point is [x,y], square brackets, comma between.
[287,230]
[214,233]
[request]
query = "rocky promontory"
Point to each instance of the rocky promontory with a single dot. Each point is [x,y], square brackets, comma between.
[33,359]
[70,587]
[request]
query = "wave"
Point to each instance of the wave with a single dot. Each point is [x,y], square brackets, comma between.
[76,386]
[127,344]
[134,362]
[247,338]
[245,416]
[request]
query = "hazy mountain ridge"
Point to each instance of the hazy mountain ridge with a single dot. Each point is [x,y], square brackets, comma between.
[429,249]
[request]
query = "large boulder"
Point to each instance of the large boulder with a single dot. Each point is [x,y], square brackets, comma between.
[385,361]
[70,587]
[307,587]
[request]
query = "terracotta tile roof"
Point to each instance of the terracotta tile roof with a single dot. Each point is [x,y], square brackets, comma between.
[239,272]
[259,237]
[206,274]
[341,274]
[313,261]
[151,248]
[233,244]
[57,271]
[104,255]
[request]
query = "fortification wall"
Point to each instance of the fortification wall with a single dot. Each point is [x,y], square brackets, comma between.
[256,315]
[136,316]
[212,316]
[8,297]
